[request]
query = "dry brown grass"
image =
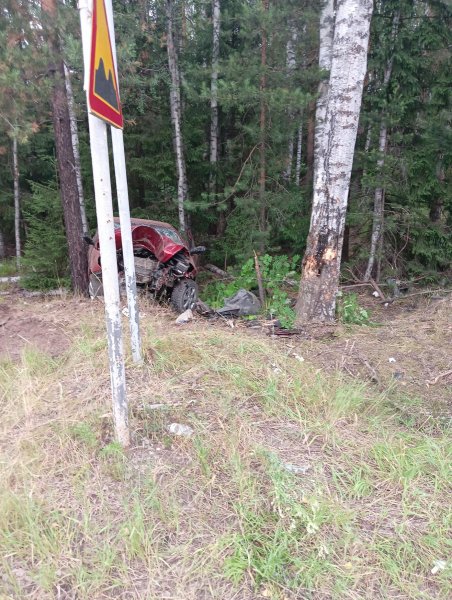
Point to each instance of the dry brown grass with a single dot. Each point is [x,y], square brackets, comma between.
[216,515]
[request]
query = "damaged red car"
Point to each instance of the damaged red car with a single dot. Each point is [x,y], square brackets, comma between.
[164,264]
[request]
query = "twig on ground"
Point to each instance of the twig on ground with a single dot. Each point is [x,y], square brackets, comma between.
[438,377]
[391,300]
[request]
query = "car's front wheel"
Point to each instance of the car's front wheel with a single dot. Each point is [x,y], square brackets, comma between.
[185,295]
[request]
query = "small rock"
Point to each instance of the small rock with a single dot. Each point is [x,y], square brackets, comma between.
[179,429]
[375,294]
[439,565]
[184,317]
[298,357]
[297,469]
[391,359]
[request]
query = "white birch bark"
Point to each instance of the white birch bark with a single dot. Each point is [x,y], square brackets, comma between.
[176,118]
[298,158]
[321,263]
[75,146]
[214,93]
[379,196]
[327,21]
[291,66]
[16,201]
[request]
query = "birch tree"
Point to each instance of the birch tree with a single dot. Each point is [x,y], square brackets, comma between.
[290,65]
[378,211]
[337,126]
[176,116]
[75,146]
[263,124]
[214,93]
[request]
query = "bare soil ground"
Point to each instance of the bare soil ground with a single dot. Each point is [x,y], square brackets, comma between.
[318,468]
[409,347]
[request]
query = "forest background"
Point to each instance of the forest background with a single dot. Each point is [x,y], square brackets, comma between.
[248,77]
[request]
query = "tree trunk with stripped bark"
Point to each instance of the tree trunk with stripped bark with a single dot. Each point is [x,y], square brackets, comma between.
[337,128]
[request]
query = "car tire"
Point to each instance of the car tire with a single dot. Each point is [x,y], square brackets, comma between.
[184,295]
[95,287]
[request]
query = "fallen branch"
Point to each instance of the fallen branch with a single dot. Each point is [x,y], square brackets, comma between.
[217,271]
[391,300]
[377,289]
[438,377]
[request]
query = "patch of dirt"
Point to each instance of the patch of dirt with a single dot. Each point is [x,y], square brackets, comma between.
[34,324]
[407,352]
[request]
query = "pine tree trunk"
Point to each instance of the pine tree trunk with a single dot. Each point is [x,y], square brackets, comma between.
[16,201]
[75,146]
[176,118]
[214,95]
[378,212]
[78,253]
[262,127]
[336,132]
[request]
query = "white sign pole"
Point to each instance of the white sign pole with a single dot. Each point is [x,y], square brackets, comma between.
[122,191]
[105,224]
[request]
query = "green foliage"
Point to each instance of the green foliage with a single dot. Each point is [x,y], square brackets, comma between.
[274,270]
[350,312]
[45,256]
[8,267]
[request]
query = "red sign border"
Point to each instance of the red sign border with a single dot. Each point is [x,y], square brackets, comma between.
[99,107]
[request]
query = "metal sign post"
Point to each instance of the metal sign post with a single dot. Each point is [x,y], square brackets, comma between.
[119,157]
[104,211]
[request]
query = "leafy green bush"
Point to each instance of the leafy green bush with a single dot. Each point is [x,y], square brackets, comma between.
[274,270]
[45,255]
[349,311]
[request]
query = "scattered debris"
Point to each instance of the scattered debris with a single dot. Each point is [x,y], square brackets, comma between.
[203,309]
[438,565]
[179,429]
[241,304]
[375,294]
[125,312]
[391,359]
[298,357]
[297,469]
[184,317]
[438,377]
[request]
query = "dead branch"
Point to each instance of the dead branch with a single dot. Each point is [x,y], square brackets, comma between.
[438,377]
[217,271]
[391,300]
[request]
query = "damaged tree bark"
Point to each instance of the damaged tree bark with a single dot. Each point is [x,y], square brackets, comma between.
[335,137]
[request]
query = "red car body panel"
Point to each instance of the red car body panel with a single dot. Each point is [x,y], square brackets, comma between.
[162,239]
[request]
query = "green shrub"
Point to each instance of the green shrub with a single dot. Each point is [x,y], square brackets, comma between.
[349,311]
[45,258]
[274,270]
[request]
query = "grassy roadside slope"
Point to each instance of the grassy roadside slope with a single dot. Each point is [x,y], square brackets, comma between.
[296,483]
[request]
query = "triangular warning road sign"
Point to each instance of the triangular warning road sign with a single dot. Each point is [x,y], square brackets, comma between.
[103,94]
